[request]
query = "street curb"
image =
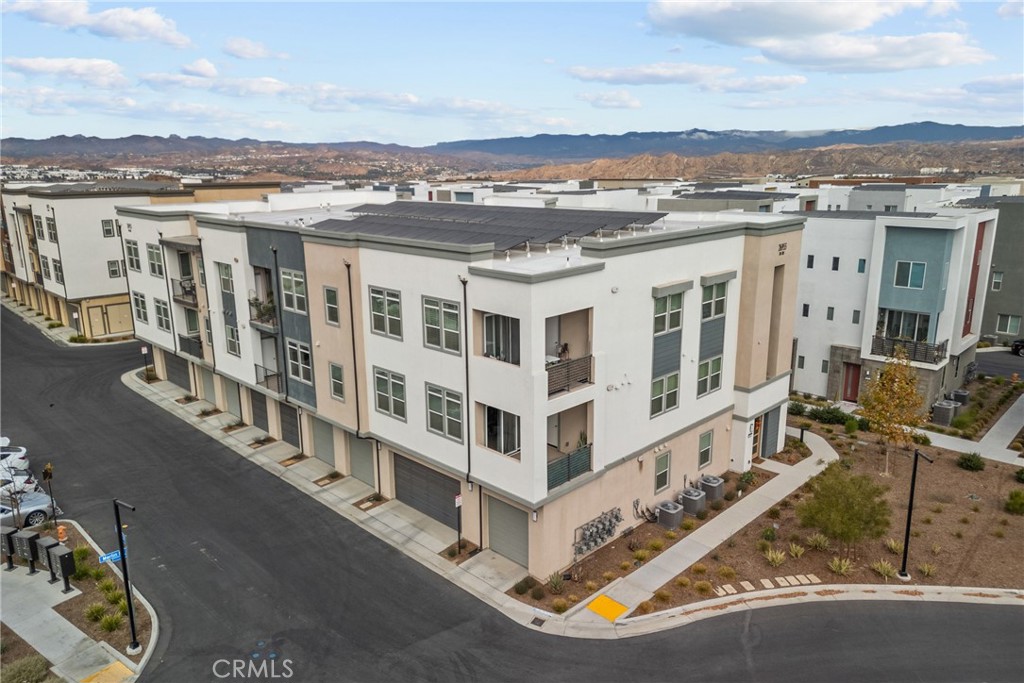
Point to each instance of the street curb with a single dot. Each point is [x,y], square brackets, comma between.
[57,339]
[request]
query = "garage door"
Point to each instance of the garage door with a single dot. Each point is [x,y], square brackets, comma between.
[259,410]
[361,455]
[508,532]
[209,394]
[323,441]
[177,371]
[290,425]
[430,492]
[119,318]
[233,397]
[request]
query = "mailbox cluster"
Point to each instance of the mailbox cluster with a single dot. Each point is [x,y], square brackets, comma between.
[58,559]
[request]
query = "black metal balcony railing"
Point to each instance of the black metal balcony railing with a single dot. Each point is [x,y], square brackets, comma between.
[921,352]
[569,466]
[567,374]
[184,291]
[193,346]
[263,315]
[268,379]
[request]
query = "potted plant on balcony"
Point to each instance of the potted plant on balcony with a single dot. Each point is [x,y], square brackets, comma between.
[263,311]
[563,351]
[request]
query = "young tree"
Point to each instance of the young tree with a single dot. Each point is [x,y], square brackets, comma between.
[891,403]
[846,508]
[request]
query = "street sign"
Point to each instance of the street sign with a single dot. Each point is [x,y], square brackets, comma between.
[145,350]
[111,557]
[458,501]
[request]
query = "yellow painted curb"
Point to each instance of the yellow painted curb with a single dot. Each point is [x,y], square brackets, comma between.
[114,673]
[606,607]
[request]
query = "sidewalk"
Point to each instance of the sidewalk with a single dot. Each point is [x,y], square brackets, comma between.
[995,444]
[60,335]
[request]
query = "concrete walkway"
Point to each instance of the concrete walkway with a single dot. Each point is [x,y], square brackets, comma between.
[995,444]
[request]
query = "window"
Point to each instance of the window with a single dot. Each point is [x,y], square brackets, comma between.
[800,362]
[235,349]
[668,313]
[709,376]
[501,338]
[386,312]
[209,328]
[185,265]
[51,229]
[390,391]
[293,290]
[441,326]
[824,366]
[997,281]
[108,228]
[806,310]
[114,269]
[713,301]
[300,362]
[227,285]
[903,325]
[44,263]
[444,412]
[131,250]
[835,263]
[664,394]
[910,274]
[830,313]
[810,260]
[163,315]
[501,430]
[202,273]
[1008,324]
[862,265]
[889,208]
[661,466]
[37,222]
[192,323]
[856,317]
[337,381]
[156,260]
[331,305]
[704,455]
[58,271]
[139,305]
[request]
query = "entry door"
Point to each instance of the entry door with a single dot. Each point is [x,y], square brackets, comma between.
[755,448]
[851,382]
[259,410]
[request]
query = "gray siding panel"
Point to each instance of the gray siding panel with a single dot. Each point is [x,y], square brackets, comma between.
[426,490]
[290,425]
[177,371]
[712,337]
[667,350]
[508,531]
[769,439]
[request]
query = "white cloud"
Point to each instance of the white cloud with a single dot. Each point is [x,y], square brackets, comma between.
[614,99]
[648,74]
[201,67]
[1010,83]
[100,73]
[940,8]
[177,80]
[753,84]
[243,48]
[123,23]
[246,87]
[42,101]
[860,54]
[1013,8]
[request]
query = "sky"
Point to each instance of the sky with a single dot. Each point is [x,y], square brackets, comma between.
[420,73]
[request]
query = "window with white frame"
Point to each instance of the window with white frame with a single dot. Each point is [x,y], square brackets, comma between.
[501,338]
[234,347]
[156,260]
[131,252]
[709,376]
[1007,324]
[337,381]
[501,431]
[664,394]
[192,323]
[441,325]
[909,274]
[444,412]
[389,388]
[115,269]
[139,306]
[300,362]
[713,301]
[108,228]
[163,315]
[668,313]
[51,229]
[293,291]
[331,311]
[661,468]
[903,325]
[37,223]
[386,312]
[704,454]
[44,263]
[997,281]
[58,271]
[227,285]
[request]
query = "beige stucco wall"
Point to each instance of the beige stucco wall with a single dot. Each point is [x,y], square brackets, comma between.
[102,302]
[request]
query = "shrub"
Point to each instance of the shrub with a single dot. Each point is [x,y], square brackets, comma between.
[959,534]
[747,478]
[936,548]
[926,569]
[113,597]
[608,576]
[921,439]
[78,339]
[656,545]
[556,584]
[671,535]
[763,545]
[884,569]
[893,546]
[1015,502]
[768,533]
[645,607]
[864,424]
[998,533]
[1019,476]
[717,504]
[841,566]
[972,462]
[452,552]
[662,595]
[537,593]
[107,585]
[559,605]
[590,586]
[31,669]
[818,541]
[97,573]
[937,509]
[95,611]
[641,555]
[523,587]
[926,520]
[82,573]
[624,566]
[683,581]
[122,606]
[730,495]
[111,622]
[54,325]
[796,550]
[965,520]
[573,598]
[775,557]
[688,525]
[703,587]
[699,569]
[796,408]
[726,572]
[742,486]
[702,515]
[829,416]
[851,425]
[774,513]
[81,554]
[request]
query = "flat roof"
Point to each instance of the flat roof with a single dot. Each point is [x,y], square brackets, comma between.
[736,194]
[868,215]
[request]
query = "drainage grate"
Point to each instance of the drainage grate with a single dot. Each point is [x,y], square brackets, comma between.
[537,621]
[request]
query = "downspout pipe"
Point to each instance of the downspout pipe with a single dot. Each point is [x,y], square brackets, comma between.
[465,347]
[282,365]
[63,277]
[352,329]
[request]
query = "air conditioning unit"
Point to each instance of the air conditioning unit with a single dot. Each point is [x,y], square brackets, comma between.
[943,412]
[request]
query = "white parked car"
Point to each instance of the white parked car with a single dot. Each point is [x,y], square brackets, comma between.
[16,481]
[13,457]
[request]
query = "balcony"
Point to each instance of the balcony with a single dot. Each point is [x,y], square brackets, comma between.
[920,352]
[563,467]
[268,379]
[193,345]
[566,375]
[263,316]
[184,291]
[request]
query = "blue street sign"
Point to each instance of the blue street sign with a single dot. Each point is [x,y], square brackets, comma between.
[111,557]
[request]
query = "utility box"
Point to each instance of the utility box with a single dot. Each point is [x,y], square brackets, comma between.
[62,559]
[8,540]
[670,514]
[960,396]
[712,486]
[692,500]
[43,546]
[25,545]
[943,412]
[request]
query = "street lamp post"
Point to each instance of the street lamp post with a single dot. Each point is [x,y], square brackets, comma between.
[133,647]
[904,575]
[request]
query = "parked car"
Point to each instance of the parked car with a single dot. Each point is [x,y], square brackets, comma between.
[13,457]
[16,481]
[1018,347]
[33,508]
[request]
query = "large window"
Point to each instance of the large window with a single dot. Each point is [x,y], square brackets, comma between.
[44,263]
[713,301]
[704,455]
[390,390]
[661,467]
[227,285]
[192,324]
[903,325]
[235,348]
[337,381]
[293,291]
[163,315]
[139,306]
[441,325]
[51,229]
[501,338]
[501,430]
[910,274]
[156,260]
[331,311]
[58,271]
[131,251]
[300,362]
[1008,324]
[709,376]
[997,281]
[444,412]
[386,312]
[664,394]
[668,313]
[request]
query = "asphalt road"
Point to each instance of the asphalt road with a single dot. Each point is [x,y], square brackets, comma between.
[231,556]
[1000,363]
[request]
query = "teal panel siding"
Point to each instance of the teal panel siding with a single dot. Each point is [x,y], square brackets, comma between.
[712,337]
[667,352]
[934,248]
